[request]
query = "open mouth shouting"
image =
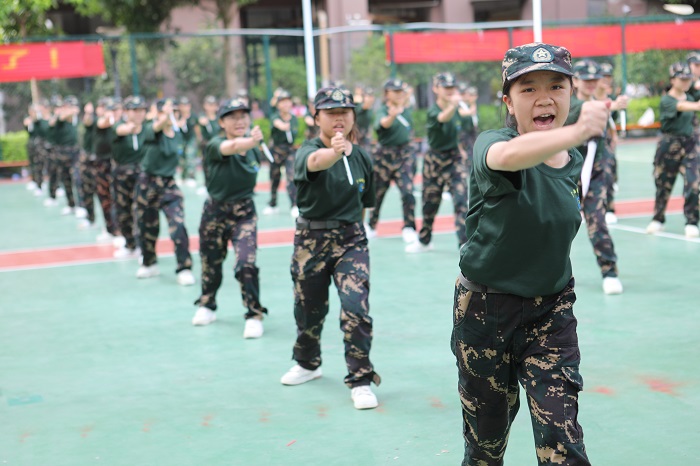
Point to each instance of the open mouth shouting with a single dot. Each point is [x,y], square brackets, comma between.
[544,121]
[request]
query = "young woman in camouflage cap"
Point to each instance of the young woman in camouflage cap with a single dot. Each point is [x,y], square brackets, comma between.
[514,296]
[333,176]
[676,151]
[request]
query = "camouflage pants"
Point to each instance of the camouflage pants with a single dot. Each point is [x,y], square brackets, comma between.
[125,178]
[674,155]
[594,207]
[364,139]
[61,170]
[153,194]
[340,254]
[35,155]
[96,175]
[500,340]
[467,141]
[188,162]
[235,222]
[283,155]
[394,163]
[444,170]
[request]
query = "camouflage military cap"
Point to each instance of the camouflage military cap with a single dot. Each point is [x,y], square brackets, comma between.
[283,94]
[231,106]
[333,97]
[184,100]
[368,90]
[56,101]
[242,93]
[394,85]
[535,57]
[693,57]
[210,99]
[104,101]
[444,80]
[680,70]
[587,70]
[135,102]
[606,69]
[71,100]
[160,103]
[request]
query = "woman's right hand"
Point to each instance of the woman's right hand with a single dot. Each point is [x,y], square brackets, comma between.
[593,119]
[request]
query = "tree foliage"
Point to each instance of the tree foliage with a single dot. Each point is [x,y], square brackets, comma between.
[133,15]
[22,18]
[197,66]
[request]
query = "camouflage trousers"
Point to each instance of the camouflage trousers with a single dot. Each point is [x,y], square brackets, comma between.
[364,139]
[340,254]
[96,177]
[36,154]
[62,159]
[444,170]
[153,194]
[125,178]
[674,155]
[236,222]
[467,141]
[283,155]
[188,162]
[394,163]
[501,340]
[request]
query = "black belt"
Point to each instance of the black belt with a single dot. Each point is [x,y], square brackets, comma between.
[477,287]
[306,224]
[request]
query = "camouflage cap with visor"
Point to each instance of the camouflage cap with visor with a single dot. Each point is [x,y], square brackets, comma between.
[680,70]
[693,57]
[135,102]
[606,69]
[587,70]
[333,97]
[535,57]
[394,85]
[231,106]
[444,80]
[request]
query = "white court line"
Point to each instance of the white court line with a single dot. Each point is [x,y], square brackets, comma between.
[648,161]
[661,234]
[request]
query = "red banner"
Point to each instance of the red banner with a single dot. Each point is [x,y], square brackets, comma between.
[586,41]
[22,62]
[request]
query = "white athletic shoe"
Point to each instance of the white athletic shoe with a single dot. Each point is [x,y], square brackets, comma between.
[185,277]
[269,210]
[409,235]
[60,192]
[417,247]
[202,191]
[692,231]
[253,328]
[104,237]
[654,227]
[610,218]
[294,212]
[191,183]
[31,186]
[85,224]
[81,212]
[67,210]
[148,271]
[126,253]
[363,398]
[50,202]
[118,241]
[370,232]
[298,375]
[203,316]
[38,192]
[446,196]
[612,285]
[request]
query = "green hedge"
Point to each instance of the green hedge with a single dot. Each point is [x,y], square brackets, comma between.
[13,146]
[637,106]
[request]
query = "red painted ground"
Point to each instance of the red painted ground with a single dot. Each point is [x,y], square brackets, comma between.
[61,256]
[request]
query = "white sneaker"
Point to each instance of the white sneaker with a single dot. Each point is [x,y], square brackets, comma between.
[612,285]
[60,192]
[203,316]
[363,398]
[418,247]
[148,271]
[67,210]
[81,212]
[31,186]
[104,237]
[85,224]
[269,210]
[117,241]
[610,218]
[294,212]
[298,375]
[126,253]
[370,232]
[38,192]
[692,231]
[185,277]
[446,196]
[191,183]
[50,202]
[409,235]
[654,227]
[202,191]
[253,328]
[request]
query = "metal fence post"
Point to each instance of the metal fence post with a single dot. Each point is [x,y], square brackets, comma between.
[268,69]
[134,72]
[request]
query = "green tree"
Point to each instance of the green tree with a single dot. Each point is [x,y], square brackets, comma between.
[368,64]
[651,68]
[197,66]
[287,72]
[134,15]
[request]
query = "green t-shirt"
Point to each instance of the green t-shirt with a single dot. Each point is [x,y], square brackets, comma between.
[442,136]
[89,138]
[695,93]
[363,117]
[467,124]
[328,194]
[41,128]
[280,138]
[103,141]
[521,224]
[210,130]
[398,133]
[127,149]
[672,121]
[188,133]
[230,177]
[32,129]
[65,133]
[161,153]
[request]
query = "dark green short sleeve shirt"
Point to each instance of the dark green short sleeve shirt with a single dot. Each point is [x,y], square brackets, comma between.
[442,136]
[230,177]
[398,133]
[672,121]
[161,153]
